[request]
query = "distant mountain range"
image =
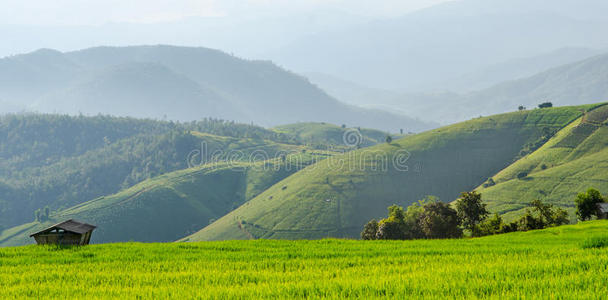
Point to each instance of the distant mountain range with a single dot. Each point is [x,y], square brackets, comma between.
[423,50]
[176,83]
[573,83]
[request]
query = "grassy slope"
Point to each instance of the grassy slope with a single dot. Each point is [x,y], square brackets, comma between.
[337,196]
[166,207]
[572,161]
[542,264]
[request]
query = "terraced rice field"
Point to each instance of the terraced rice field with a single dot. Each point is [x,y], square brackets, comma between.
[567,262]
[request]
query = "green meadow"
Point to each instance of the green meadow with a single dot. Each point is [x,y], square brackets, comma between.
[568,262]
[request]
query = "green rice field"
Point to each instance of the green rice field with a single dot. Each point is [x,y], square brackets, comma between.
[568,262]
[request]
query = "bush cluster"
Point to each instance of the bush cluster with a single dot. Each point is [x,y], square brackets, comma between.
[431,219]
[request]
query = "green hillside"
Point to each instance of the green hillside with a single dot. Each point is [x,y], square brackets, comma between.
[119,165]
[541,264]
[337,196]
[575,159]
[166,207]
[59,161]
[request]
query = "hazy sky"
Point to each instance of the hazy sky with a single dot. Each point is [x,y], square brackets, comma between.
[95,12]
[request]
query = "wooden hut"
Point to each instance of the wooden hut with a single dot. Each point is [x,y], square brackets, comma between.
[69,232]
[602,211]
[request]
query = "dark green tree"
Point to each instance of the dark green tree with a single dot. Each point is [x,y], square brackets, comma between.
[471,210]
[489,226]
[439,220]
[370,230]
[541,215]
[586,204]
[389,139]
[393,227]
[545,105]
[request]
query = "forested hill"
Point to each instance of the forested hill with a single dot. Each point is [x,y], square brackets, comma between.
[177,83]
[59,161]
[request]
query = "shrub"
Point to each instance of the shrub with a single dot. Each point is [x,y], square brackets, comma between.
[490,182]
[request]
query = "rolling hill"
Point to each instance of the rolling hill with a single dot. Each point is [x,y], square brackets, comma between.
[335,197]
[165,207]
[177,83]
[58,161]
[575,159]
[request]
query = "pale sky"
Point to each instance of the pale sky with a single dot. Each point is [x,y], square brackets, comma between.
[97,12]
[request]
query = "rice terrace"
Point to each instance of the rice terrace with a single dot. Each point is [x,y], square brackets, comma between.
[343,149]
[561,262]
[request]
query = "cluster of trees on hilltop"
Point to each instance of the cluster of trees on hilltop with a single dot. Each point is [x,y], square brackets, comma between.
[239,130]
[41,139]
[432,219]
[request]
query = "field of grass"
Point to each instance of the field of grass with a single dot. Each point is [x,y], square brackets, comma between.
[335,198]
[567,262]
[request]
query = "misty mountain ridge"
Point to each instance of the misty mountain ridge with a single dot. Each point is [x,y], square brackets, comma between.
[414,52]
[573,83]
[179,83]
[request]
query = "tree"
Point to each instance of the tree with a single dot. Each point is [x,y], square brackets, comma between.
[471,210]
[586,204]
[493,225]
[542,215]
[393,227]
[545,105]
[439,220]
[389,139]
[390,230]
[521,107]
[370,230]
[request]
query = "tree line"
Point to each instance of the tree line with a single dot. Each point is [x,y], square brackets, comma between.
[431,219]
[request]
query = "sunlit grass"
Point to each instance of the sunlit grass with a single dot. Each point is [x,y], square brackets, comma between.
[541,264]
